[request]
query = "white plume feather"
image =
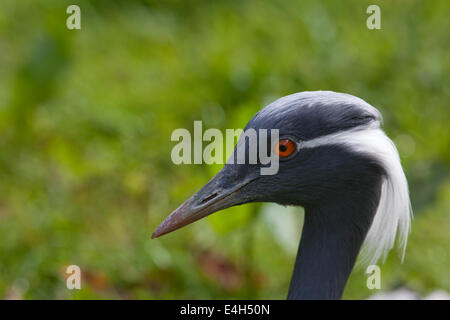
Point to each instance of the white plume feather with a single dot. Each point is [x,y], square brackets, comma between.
[394,213]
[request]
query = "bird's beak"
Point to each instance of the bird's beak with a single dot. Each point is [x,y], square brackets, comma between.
[219,193]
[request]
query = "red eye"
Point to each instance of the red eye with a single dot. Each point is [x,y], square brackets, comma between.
[285,148]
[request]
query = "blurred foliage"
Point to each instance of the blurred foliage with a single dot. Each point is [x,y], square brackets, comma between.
[86,117]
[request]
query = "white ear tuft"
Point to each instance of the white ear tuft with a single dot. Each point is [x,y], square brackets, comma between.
[394,213]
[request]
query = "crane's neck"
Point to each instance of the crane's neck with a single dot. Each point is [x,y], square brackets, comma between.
[331,239]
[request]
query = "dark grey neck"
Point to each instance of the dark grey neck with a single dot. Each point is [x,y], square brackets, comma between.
[331,239]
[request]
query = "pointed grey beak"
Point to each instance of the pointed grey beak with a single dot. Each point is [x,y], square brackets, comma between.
[219,193]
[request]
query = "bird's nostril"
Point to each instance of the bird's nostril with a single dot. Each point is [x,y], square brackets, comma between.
[209,198]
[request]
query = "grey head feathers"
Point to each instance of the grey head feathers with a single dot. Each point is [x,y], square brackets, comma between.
[326,118]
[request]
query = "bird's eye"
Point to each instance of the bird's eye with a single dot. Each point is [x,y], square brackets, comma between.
[285,148]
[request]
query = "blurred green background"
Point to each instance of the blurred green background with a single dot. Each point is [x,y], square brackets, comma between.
[86,117]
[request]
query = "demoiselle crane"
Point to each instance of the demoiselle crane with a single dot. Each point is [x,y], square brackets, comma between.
[337,163]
